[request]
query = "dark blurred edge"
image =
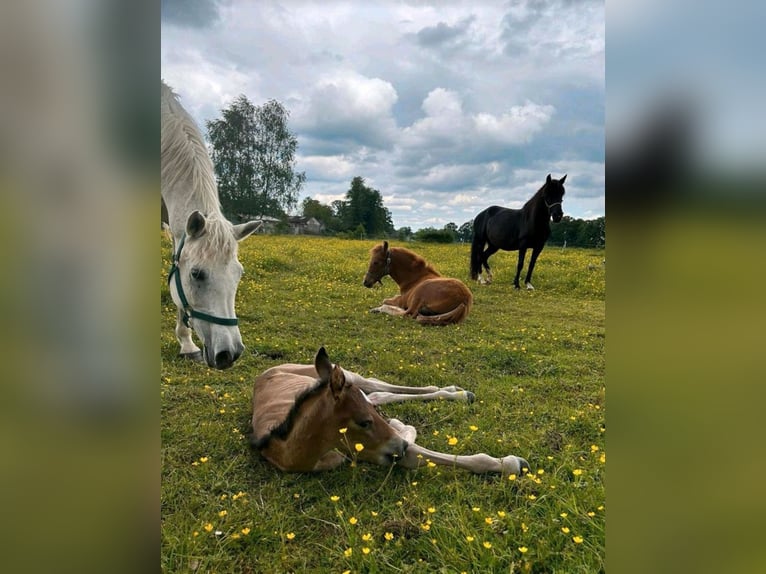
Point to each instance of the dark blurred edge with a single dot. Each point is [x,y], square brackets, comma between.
[79,133]
[686,326]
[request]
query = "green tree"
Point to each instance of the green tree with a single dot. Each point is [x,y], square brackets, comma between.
[364,206]
[465,232]
[254,156]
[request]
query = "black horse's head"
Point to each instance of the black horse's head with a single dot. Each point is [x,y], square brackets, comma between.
[553,194]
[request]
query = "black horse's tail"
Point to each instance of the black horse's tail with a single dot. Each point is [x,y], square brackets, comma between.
[477,245]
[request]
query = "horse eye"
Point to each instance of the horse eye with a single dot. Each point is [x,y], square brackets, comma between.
[198,274]
[365,424]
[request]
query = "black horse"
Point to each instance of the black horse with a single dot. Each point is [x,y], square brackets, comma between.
[517,229]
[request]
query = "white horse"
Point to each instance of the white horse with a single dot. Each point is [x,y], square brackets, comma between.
[206,271]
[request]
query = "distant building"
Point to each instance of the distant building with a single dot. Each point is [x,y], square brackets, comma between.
[305,225]
[268,223]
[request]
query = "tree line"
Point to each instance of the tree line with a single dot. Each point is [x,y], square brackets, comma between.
[253,152]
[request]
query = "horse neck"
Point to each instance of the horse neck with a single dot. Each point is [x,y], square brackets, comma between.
[536,207]
[408,269]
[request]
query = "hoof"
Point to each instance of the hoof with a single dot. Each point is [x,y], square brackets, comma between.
[516,287]
[523,465]
[375,310]
[529,287]
[197,356]
[469,397]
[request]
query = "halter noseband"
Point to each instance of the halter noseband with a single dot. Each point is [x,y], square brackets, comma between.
[551,205]
[188,311]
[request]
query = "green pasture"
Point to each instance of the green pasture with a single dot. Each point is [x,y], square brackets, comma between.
[535,360]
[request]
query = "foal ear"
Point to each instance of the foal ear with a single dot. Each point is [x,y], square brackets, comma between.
[195,225]
[322,365]
[561,181]
[337,382]
[244,229]
[548,179]
[385,247]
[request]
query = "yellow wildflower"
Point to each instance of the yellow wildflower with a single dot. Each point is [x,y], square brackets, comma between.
[348,552]
[473,427]
[431,510]
[577,539]
[476,509]
[486,544]
[365,550]
[359,447]
[431,464]
[335,498]
[532,497]
[470,538]
[523,549]
[388,536]
[511,477]
[344,430]
[565,530]
[208,527]
[602,458]
[204,459]
[452,441]
[235,536]
[367,537]
[245,531]
[501,513]
[540,471]
[290,535]
[563,515]
[353,520]
[488,520]
[593,448]
[577,471]
[222,513]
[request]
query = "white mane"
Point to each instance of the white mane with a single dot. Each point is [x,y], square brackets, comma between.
[185,159]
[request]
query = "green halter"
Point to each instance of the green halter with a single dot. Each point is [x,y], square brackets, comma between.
[187,309]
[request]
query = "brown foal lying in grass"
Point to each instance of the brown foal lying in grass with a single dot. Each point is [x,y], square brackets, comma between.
[311,417]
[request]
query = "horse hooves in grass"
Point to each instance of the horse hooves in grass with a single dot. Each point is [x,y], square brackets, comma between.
[375,310]
[196,356]
[530,287]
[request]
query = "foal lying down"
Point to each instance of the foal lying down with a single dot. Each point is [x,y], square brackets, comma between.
[299,411]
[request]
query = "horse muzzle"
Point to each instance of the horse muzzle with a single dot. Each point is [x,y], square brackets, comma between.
[223,359]
[369,281]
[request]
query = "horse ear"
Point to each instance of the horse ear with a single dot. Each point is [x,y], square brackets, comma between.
[385,246]
[337,382]
[548,179]
[561,181]
[195,225]
[244,229]
[322,364]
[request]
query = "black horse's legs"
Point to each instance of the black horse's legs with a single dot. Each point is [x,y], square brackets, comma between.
[488,252]
[535,252]
[519,266]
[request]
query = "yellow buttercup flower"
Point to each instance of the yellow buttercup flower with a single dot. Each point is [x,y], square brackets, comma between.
[290,535]
[523,549]
[344,430]
[367,537]
[208,527]
[353,520]
[577,471]
[501,513]
[488,520]
[470,538]
[473,427]
[452,441]
[348,552]
[365,550]
[486,544]
[431,510]
[335,498]
[245,531]
[359,447]
[511,477]
[565,530]
[577,539]
[222,513]
[388,536]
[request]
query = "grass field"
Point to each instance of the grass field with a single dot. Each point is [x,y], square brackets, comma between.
[535,360]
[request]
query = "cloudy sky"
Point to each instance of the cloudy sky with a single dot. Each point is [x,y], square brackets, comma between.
[444,107]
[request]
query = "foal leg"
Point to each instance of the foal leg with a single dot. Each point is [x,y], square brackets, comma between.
[535,252]
[184,336]
[416,456]
[389,310]
[373,385]
[519,266]
[383,398]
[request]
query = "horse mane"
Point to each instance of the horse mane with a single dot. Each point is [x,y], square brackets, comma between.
[220,243]
[282,430]
[535,198]
[185,158]
[418,263]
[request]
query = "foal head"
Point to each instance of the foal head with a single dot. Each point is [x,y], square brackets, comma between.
[380,264]
[207,270]
[553,195]
[354,412]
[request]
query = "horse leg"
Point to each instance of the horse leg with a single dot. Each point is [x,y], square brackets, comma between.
[373,385]
[383,397]
[389,310]
[184,336]
[519,266]
[488,252]
[535,252]
[416,456]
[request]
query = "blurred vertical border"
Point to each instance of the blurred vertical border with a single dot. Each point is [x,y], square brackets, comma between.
[79,165]
[686,314]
